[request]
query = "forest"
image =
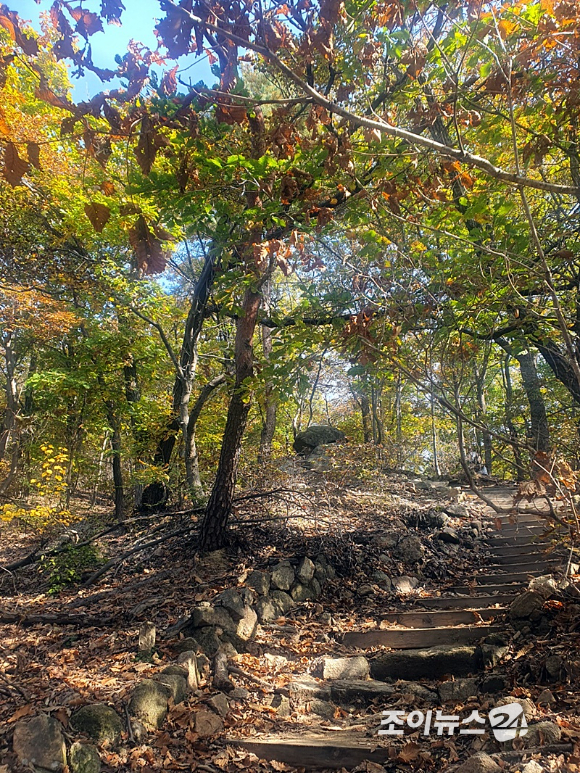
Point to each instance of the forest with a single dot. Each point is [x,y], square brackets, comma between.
[364,220]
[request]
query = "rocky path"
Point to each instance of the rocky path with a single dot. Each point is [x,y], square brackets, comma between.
[439,656]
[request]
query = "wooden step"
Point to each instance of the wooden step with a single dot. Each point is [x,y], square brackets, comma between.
[415,638]
[467,590]
[505,577]
[313,752]
[519,550]
[525,560]
[437,619]
[468,602]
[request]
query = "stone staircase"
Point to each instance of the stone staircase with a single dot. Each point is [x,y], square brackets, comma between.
[438,652]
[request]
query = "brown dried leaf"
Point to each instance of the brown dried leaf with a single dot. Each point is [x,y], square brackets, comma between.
[99,215]
[14,166]
[148,251]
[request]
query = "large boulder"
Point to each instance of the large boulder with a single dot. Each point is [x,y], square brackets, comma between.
[84,758]
[99,722]
[39,743]
[149,703]
[317,435]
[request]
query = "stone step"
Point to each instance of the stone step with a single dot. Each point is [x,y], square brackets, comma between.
[413,638]
[436,619]
[313,752]
[428,662]
[514,520]
[468,602]
[515,541]
[521,528]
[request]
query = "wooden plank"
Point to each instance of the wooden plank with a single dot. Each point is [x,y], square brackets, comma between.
[519,550]
[418,638]
[314,753]
[505,577]
[524,561]
[468,602]
[439,618]
[503,588]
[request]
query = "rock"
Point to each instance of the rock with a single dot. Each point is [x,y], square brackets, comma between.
[415,688]
[546,586]
[232,601]
[493,684]
[301,593]
[149,702]
[140,732]
[39,742]
[316,587]
[409,549]
[404,584]
[267,610]
[322,709]
[542,734]
[146,637]
[259,581]
[84,758]
[270,608]
[532,767]
[426,519]
[365,590]
[231,645]
[317,435]
[281,704]
[458,690]
[186,645]
[325,618]
[458,511]
[479,763]
[305,570]
[177,683]
[554,666]
[449,535]
[330,572]
[283,576]
[382,580]
[320,572]
[306,689]
[364,691]
[525,703]
[494,649]
[99,722]
[527,606]
[387,541]
[188,661]
[342,668]
[385,560]
[247,624]
[545,698]
[207,723]
[219,703]
[208,640]
[206,615]
[284,601]
[239,694]
[176,670]
[429,662]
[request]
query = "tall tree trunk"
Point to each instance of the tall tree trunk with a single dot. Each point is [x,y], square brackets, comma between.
[213,531]
[540,431]
[270,401]
[191,459]
[482,409]
[119,494]
[11,389]
[508,410]
[377,423]
[434,440]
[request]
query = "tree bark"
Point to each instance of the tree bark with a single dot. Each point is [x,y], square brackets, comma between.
[214,525]
[191,458]
[540,431]
[270,402]
[512,431]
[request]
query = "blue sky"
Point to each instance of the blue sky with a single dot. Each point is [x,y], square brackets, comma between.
[138,21]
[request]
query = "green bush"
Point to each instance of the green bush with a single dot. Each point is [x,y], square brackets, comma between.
[67,567]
